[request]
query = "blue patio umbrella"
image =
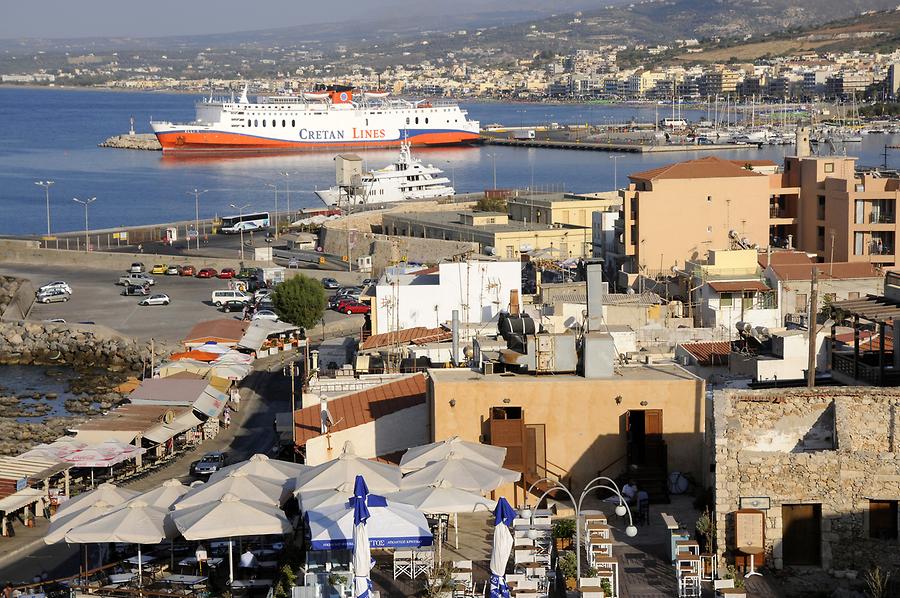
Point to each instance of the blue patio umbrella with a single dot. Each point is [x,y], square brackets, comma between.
[362,554]
[503,543]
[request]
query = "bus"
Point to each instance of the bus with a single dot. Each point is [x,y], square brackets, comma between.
[245,223]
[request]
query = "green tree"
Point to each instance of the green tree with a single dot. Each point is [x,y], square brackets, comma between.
[300,300]
[491,204]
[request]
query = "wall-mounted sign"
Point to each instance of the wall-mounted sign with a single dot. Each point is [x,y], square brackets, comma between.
[763,503]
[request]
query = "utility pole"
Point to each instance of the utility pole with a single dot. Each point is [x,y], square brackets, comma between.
[46,185]
[811,327]
[197,193]
[240,210]
[85,203]
[287,193]
[275,188]
[293,373]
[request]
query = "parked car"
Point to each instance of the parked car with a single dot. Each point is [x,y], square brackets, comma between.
[226,273]
[351,306]
[158,299]
[260,293]
[221,296]
[293,263]
[330,283]
[209,463]
[248,273]
[173,270]
[188,270]
[368,281]
[136,289]
[265,314]
[206,273]
[137,278]
[136,267]
[349,293]
[56,284]
[52,296]
[159,269]
[233,305]
[265,303]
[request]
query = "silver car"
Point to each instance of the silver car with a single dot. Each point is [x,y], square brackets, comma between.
[54,285]
[52,296]
[158,299]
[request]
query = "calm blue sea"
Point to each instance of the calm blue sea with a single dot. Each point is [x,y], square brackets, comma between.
[53,134]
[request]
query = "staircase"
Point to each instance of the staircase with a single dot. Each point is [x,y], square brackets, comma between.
[651,479]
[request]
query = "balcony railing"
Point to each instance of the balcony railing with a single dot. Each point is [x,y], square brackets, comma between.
[776,212]
[882,218]
[865,371]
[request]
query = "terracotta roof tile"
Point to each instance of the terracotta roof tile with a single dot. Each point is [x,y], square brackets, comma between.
[709,353]
[709,167]
[229,330]
[362,407]
[835,270]
[415,336]
[783,257]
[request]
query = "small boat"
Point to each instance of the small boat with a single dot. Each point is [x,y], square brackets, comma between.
[375,95]
[315,95]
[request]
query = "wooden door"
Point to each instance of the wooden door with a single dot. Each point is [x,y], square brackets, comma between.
[802,534]
[653,438]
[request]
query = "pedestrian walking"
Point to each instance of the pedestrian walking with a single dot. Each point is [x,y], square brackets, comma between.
[227,417]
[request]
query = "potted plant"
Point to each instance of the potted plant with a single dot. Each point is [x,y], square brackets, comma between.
[338,582]
[568,566]
[706,532]
[563,531]
[606,586]
[440,583]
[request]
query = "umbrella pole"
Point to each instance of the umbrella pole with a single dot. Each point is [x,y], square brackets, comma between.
[230,564]
[456,528]
[140,569]
[172,555]
[92,478]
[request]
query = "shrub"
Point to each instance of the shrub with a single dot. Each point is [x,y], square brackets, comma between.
[300,301]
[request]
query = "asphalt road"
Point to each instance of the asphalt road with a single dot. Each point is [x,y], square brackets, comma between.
[96,298]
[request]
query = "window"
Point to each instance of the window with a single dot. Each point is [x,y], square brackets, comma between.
[283,123]
[820,209]
[256,123]
[293,123]
[853,295]
[264,122]
[725,300]
[820,237]
[417,120]
[829,166]
[709,199]
[747,300]
[883,519]
[248,122]
[709,229]
[801,303]
[407,120]
[426,120]
[273,122]
[859,244]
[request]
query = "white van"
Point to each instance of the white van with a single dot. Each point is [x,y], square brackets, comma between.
[220,297]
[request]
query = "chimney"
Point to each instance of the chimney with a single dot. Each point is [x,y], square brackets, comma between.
[454,329]
[802,141]
[514,302]
[595,294]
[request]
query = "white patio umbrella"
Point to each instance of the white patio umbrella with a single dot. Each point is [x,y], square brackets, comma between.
[501,548]
[380,477]
[107,493]
[162,497]
[460,473]
[61,525]
[443,499]
[421,456]
[316,499]
[229,517]
[261,466]
[391,525]
[135,522]
[239,484]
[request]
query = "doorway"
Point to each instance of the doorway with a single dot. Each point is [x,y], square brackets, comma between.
[802,534]
[643,432]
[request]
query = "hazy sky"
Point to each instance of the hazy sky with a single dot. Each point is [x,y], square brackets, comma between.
[156,18]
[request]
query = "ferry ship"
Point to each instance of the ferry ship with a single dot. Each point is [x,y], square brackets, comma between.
[406,179]
[327,119]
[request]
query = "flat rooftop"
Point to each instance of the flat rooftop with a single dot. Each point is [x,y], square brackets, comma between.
[451,220]
[662,371]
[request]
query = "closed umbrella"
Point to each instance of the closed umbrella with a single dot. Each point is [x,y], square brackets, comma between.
[135,522]
[261,466]
[421,456]
[239,484]
[502,546]
[381,477]
[362,553]
[229,517]
[460,473]
[107,493]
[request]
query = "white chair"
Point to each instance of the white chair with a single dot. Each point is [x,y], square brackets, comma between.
[524,542]
[515,577]
[403,562]
[423,562]
[462,565]
[524,556]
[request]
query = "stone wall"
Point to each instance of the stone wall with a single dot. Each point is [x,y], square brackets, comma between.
[836,447]
[44,343]
[16,297]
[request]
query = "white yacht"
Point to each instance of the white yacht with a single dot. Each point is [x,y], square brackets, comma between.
[406,179]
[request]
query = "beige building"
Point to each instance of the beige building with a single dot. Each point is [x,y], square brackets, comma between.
[570,427]
[561,208]
[494,232]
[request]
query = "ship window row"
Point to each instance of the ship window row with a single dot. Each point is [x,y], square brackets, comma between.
[417,120]
[255,123]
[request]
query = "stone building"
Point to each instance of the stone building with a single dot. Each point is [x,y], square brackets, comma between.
[824,467]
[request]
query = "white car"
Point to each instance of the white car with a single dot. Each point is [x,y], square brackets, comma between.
[157,299]
[262,293]
[265,314]
[55,285]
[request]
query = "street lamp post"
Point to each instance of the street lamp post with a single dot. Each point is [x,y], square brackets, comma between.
[240,210]
[46,185]
[615,160]
[85,203]
[275,188]
[197,193]
[622,508]
[287,193]
[493,157]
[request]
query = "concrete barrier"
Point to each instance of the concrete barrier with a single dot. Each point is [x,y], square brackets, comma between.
[20,304]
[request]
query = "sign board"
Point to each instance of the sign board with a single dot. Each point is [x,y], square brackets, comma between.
[755,502]
[749,531]
[192,234]
[21,484]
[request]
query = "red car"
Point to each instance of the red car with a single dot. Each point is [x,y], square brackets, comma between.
[206,273]
[188,271]
[227,273]
[351,306]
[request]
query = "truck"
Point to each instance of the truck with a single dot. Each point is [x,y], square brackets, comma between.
[523,134]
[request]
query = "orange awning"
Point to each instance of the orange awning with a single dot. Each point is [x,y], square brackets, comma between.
[196,354]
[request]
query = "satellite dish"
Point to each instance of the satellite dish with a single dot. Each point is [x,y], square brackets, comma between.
[168,417]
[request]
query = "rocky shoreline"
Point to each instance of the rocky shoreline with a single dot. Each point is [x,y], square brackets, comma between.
[138,141]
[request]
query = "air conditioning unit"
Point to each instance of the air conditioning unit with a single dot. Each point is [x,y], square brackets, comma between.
[488,368]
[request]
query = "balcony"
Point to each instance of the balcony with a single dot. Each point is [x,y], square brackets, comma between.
[866,370]
[875,218]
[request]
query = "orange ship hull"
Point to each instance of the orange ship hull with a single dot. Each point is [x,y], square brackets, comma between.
[174,141]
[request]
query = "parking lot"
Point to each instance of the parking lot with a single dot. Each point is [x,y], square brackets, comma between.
[96,298]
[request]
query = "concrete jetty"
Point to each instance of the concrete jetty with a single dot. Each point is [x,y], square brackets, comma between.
[138,141]
[635,148]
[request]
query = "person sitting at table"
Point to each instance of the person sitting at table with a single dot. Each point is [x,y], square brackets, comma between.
[629,491]
[248,563]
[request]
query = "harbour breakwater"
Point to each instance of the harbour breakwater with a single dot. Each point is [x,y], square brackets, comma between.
[138,141]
